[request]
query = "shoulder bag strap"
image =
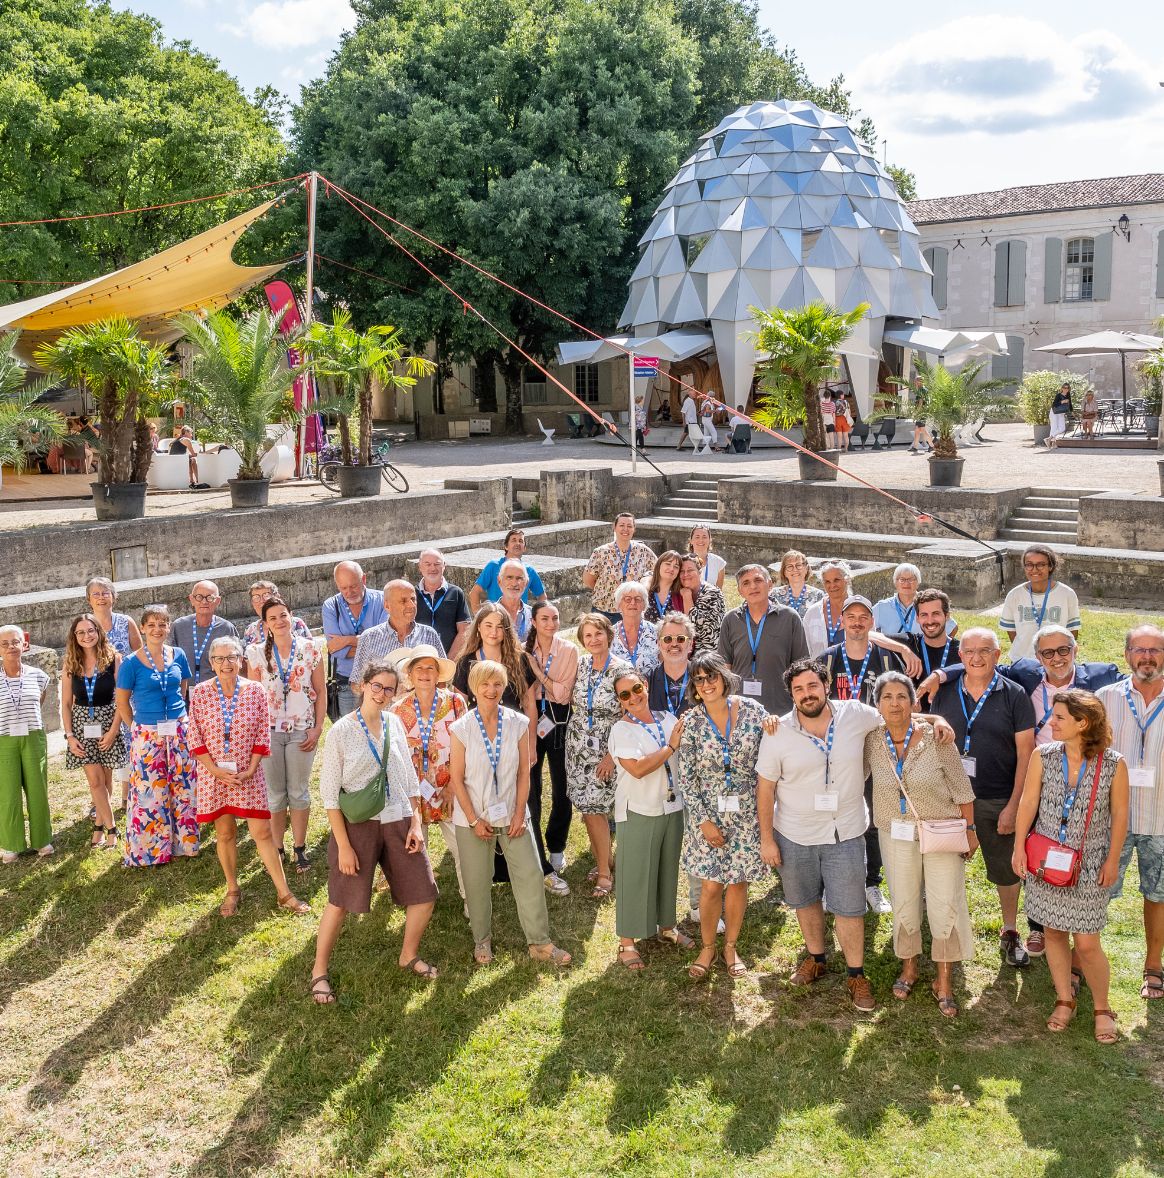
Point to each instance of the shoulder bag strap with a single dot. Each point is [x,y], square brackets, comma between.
[1091,801]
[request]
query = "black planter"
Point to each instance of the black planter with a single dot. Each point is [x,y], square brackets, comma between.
[117,501]
[359,482]
[946,472]
[249,492]
[812,471]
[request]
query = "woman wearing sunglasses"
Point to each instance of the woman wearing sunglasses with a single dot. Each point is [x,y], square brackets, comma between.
[648,812]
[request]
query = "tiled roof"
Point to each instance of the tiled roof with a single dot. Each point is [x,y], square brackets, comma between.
[1040,198]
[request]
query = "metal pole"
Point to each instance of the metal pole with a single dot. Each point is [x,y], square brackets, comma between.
[633,438]
[309,298]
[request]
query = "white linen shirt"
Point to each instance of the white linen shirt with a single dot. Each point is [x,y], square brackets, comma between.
[797,766]
[348,765]
[478,771]
[1146,805]
[642,795]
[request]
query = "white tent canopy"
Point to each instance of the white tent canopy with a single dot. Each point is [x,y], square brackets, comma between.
[671,345]
[937,341]
[1105,343]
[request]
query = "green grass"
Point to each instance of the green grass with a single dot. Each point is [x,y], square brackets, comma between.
[144,1035]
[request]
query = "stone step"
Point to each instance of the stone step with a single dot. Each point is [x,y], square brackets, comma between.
[692,513]
[703,484]
[1050,501]
[1026,519]
[1056,492]
[1029,508]
[1035,536]
[689,496]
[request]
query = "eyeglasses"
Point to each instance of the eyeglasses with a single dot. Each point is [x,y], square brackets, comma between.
[220,659]
[204,598]
[673,640]
[1035,565]
[260,595]
[12,643]
[701,677]
[1139,651]
[100,595]
[379,689]
[981,653]
[1055,652]
[631,692]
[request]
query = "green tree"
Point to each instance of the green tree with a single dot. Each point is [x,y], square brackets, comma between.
[957,398]
[98,112]
[22,421]
[904,181]
[802,348]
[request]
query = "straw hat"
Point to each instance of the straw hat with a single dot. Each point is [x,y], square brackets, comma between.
[403,658]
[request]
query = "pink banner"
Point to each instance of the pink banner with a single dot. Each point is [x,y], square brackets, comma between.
[280,295]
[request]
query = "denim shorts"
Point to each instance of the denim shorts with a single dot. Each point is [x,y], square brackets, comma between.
[807,873]
[1149,850]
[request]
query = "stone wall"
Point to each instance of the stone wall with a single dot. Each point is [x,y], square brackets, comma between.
[1118,519]
[593,492]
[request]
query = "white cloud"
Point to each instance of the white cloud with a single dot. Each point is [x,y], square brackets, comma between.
[296,24]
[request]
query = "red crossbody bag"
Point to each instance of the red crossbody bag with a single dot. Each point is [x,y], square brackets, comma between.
[1054,862]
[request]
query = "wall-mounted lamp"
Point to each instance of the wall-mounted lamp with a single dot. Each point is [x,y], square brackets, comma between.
[1125,226]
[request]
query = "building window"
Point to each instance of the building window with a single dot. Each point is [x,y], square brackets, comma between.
[586,383]
[692,247]
[1079,277]
[533,386]
[477,382]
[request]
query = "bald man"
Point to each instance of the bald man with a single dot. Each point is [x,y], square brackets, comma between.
[195,632]
[439,604]
[400,629]
[354,609]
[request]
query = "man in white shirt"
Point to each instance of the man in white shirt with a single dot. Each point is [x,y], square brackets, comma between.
[1134,707]
[688,416]
[1039,601]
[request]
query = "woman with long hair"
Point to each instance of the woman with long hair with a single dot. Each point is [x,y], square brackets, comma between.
[711,564]
[663,585]
[92,726]
[491,635]
[123,635]
[702,602]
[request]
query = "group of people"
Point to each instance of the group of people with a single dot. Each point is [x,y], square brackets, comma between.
[849,745]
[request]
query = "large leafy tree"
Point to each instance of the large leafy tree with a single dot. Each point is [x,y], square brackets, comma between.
[98,112]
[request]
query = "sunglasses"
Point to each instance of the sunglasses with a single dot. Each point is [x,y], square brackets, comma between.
[631,692]
[1055,652]
[702,678]
[673,639]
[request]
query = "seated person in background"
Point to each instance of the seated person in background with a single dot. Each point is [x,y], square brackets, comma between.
[184,443]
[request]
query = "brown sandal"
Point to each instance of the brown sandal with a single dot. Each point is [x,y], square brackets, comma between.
[550,953]
[1058,1024]
[421,969]
[1153,986]
[320,996]
[602,890]
[736,968]
[483,951]
[947,1004]
[629,956]
[229,906]
[698,970]
[294,904]
[1111,1036]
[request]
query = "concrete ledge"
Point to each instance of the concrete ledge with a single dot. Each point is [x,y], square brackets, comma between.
[1118,519]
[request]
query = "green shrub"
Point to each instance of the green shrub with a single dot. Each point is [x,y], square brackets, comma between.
[1038,390]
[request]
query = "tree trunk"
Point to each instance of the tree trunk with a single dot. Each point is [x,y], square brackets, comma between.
[345,432]
[366,388]
[814,431]
[143,453]
[511,374]
[443,371]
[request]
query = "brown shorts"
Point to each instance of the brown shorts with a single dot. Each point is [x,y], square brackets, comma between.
[409,876]
[997,849]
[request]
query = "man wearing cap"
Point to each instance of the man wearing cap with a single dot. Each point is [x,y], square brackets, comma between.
[354,609]
[439,604]
[400,628]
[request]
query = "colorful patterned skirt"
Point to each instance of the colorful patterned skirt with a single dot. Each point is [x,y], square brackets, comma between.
[161,821]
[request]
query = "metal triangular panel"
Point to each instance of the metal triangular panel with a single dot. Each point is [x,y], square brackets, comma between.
[829,253]
[722,188]
[745,216]
[843,215]
[771,253]
[673,260]
[824,184]
[686,305]
[860,291]
[765,283]
[774,184]
[873,253]
[722,252]
[751,166]
[695,219]
[825,281]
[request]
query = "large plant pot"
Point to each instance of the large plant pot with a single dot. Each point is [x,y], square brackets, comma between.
[946,472]
[359,482]
[1042,433]
[249,492]
[812,471]
[117,501]
[1152,426]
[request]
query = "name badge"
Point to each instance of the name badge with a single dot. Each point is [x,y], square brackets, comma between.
[497,813]
[228,766]
[827,802]
[675,806]
[167,727]
[904,831]
[729,803]
[93,731]
[970,765]
[594,744]
[15,729]
[426,790]
[545,726]
[1059,860]
[753,687]
[1142,778]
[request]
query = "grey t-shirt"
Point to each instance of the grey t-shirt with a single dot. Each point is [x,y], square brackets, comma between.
[182,634]
[779,640]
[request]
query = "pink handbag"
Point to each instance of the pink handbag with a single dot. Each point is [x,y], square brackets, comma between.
[937,835]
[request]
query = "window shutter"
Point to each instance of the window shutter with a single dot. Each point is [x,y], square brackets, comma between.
[1016,282]
[940,267]
[1160,265]
[1001,269]
[1101,283]
[1053,270]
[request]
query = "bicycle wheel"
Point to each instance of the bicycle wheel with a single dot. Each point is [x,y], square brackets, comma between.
[329,475]
[393,478]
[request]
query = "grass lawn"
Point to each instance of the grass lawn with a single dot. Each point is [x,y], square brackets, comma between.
[144,1035]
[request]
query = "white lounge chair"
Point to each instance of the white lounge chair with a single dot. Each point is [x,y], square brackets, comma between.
[548,433]
[699,439]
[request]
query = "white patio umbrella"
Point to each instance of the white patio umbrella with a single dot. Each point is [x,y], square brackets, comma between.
[1108,343]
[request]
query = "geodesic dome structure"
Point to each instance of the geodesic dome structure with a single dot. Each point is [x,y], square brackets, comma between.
[781,204]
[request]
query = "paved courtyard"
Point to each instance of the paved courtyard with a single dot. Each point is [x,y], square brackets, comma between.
[1008,459]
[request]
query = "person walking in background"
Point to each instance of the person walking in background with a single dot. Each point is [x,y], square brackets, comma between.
[1061,408]
[921,435]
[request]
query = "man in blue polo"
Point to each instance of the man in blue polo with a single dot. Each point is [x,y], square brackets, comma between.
[487,587]
[346,616]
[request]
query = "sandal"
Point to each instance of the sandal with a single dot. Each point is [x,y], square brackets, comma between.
[947,1004]
[1152,989]
[903,987]
[602,890]
[629,956]
[319,996]
[699,969]
[737,968]
[294,904]
[1057,1024]
[672,936]
[112,834]
[483,951]
[229,906]
[551,953]
[430,973]
[302,863]
[1076,983]
[98,836]
[1111,1036]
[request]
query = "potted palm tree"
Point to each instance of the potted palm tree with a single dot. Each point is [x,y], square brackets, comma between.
[23,423]
[801,344]
[954,399]
[351,365]
[126,375]
[240,384]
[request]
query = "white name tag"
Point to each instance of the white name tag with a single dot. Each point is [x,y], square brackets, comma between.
[827,802]
[594,744]
[1059,860]
[228,766]
[904,831]
[15,729]
[498,813]
[970,765]
[93,731]
[729,803]
[753,687]
[167,728]
[545,726]
[1142,778]
[426,790]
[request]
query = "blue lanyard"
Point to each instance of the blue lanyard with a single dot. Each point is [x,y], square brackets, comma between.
[974,715]
[90,688]
[425,729]
[725,739]
[797,602]
[1069,795]
[673,705]
[434,602]
[706,567]
[522,623]
[492,751]
[633,655]
[199,647]
[159,677]
[1049,707]
[899,762]
[378,754]
[227,713]
[926,653]
[357,626]
[904,617]
[590,690]
[546,672]
[626,558]
[1042,612]
[655,729]
[660,605]
[833,631]
[1143,725]
[754,639]
[857,683]
[285,675]
[826,745]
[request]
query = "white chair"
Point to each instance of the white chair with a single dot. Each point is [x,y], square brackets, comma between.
[549,433]
[699,439]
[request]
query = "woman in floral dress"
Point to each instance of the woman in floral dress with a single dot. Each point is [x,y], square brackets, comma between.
[702,602]
[717,780]
[636,641]
[594,712]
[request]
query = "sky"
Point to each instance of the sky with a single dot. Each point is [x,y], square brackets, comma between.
[967,98]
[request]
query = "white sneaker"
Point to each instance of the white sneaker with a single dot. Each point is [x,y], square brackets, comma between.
[877,901]
[7,857]
[693,918]
[557,860]
[556,884]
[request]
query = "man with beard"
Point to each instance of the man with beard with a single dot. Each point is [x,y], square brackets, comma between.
[935,646]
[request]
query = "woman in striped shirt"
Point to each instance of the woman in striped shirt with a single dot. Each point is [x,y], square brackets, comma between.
[23,752]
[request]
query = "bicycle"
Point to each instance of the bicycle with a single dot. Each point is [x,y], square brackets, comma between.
[329,467]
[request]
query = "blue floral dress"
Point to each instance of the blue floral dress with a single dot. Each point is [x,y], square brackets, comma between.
[701,783]
[586,746]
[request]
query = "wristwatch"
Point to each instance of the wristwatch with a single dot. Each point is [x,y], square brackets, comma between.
[971,826]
